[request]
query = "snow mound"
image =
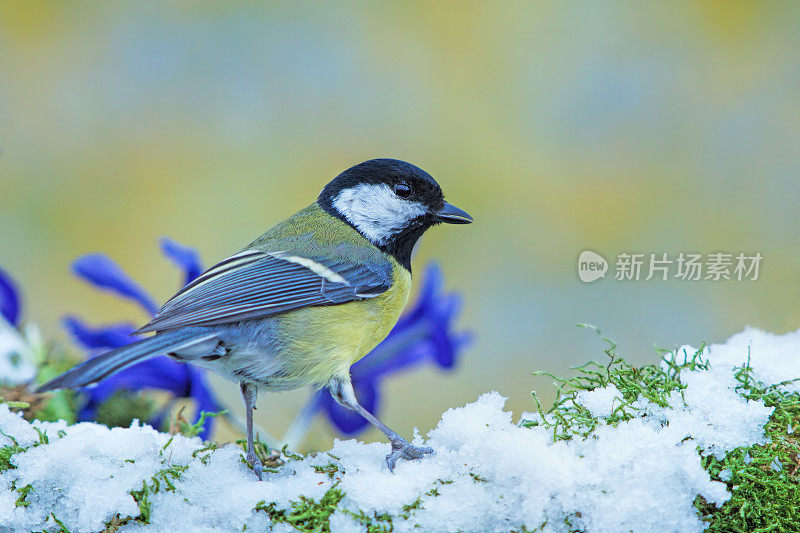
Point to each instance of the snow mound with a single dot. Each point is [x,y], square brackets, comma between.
[774,358]
[487,473]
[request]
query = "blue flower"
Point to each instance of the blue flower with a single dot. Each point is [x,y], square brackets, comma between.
[423,334]
[9,299]
[185,258]
[100,271]
[182,380]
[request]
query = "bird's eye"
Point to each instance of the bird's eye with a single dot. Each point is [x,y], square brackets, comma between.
[403,190]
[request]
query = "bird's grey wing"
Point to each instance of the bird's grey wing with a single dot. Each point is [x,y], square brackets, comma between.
[255,284]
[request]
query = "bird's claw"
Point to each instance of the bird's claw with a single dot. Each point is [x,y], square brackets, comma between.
[402,449]
[255,464]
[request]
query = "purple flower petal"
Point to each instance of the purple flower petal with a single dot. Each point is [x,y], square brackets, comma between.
[432,281]
[9,298]
[444,343]
[347,421]
[102,272]
[184,257]
[401,350]
[107,337]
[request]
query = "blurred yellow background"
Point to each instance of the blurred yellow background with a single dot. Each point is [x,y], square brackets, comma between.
[559,126]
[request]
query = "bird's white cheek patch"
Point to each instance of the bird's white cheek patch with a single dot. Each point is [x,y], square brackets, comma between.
[376,210]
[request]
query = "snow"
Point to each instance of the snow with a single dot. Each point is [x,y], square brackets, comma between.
[713,415]
[487,474]
[600,402]
[773,358]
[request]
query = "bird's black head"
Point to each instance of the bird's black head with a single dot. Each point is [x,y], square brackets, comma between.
[391,203]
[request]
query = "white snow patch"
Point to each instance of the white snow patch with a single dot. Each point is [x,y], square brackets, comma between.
[601,401]
[487,473]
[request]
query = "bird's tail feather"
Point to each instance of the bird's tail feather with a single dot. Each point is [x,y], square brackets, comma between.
[104,365]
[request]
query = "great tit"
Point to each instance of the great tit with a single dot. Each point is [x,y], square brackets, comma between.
[305,300]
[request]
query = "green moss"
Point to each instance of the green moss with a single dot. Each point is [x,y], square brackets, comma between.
[123,407]
[6,452]
[15,406]
[375,523]
[409,509]
[306,514]
[61,527]
[478,479]
[764,480]
[5,455]
[142,499]
[567,418]
[204,453]
[43,438]
[330,469]
[160,481]
[113,525]
[290,455]
[192,430]
[22,499]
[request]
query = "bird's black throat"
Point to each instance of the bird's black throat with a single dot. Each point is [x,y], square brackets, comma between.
[401,246]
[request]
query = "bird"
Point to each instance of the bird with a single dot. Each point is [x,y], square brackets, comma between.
[304,301]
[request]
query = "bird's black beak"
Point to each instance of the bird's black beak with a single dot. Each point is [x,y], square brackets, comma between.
[450,214]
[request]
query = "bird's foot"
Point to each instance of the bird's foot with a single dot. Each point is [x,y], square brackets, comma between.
[402,449]
[255,464]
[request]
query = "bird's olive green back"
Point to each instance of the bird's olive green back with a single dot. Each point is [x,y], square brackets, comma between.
[313,232]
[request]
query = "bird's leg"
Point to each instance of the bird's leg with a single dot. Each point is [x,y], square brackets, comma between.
[342,391]
[250,394]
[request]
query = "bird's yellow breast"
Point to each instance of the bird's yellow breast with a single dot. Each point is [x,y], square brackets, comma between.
[326,341]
